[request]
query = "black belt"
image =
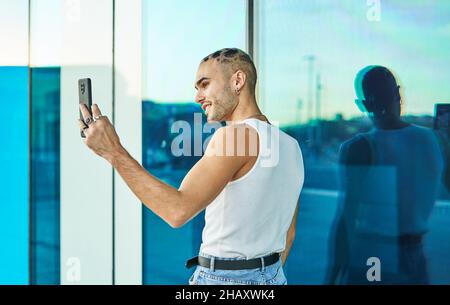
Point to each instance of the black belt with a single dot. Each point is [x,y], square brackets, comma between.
[401,239]
[233,264]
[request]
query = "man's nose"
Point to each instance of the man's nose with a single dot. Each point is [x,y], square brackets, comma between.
[199,97]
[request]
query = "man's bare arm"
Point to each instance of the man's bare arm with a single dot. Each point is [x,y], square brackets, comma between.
[161,198]
[200,186]
[290,236]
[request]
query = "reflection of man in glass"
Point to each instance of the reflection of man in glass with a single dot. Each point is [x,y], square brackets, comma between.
[251,209]
[390,177]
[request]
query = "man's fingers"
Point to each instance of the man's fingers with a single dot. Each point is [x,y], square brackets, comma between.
[87,117]
[83,126]
[96,111]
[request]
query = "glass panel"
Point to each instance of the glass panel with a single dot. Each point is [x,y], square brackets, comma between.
[310,53]
[45,178]
[45,57]
[58,60]
[86,205]
[171,58]
[14,155]
[69,40]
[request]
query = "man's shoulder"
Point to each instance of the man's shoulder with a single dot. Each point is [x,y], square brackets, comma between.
[355,150]
[354,143]
[234,139]
[235,132]
[425,131]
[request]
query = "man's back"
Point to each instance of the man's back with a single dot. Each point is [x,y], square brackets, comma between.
[399,188]
[252,214]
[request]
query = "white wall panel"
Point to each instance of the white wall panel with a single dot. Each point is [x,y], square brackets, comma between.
[128,123]
[86,179]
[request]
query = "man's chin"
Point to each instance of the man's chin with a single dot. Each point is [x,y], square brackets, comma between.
[211,119]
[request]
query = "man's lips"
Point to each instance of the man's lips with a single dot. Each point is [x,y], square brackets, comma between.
[204,105]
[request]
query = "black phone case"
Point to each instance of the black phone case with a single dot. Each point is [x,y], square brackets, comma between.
[85,96]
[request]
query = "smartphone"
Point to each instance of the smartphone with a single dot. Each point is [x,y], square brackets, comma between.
[442,118]
[85,96]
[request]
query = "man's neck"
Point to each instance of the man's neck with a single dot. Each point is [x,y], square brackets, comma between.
[389,123]
[246,108]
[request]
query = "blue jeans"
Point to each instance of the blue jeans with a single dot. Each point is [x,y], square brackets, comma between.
[267,275]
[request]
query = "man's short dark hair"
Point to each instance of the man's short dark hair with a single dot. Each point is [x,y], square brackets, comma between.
[379,85]
[234,59]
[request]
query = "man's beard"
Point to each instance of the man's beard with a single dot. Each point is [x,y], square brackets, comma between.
[220,110]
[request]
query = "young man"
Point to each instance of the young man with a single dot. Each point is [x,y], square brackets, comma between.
[250,204]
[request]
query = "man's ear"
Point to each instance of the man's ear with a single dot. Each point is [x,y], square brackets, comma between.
[239,80]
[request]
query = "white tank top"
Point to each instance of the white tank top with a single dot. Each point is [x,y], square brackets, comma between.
[251,216]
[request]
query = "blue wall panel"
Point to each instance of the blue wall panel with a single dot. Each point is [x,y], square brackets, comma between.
[14,156]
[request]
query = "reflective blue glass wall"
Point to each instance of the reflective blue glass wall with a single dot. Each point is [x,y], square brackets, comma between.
[45,178]
[164,247]
[309,55]
[168,94]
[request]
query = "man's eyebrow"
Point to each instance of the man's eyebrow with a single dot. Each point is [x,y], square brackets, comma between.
[199,81]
